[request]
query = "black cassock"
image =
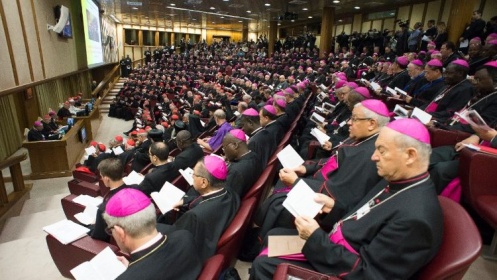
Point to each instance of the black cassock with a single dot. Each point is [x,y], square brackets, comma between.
[452,101]
[276,130]
[207,219]
[188,157]
[348,184]
[154,180]
[173,257]
[263,144]
[243,173]
[398,236]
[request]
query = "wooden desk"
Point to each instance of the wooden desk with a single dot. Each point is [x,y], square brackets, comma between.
[50,159]
[91,122]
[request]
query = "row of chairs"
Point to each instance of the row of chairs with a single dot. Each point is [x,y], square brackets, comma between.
[228,245]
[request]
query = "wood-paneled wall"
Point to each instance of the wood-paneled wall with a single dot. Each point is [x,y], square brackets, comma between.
[438,10]
[31,53]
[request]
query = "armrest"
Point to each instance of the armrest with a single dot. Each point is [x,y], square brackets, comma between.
[212,268]
[476,174]
[311,150]
[284,270]
[440,137]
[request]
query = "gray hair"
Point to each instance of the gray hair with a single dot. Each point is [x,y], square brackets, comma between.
[424,150]
[136,225]
[380,120]
[220,114]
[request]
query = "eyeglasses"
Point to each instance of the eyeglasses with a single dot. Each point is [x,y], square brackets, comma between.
[356,119]
[108,230]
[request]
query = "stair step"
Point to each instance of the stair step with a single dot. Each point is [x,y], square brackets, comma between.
[29,225]
[28,258]
[40,204]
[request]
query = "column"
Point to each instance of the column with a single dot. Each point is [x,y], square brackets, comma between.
[273,30]
[326,30]
[460,15]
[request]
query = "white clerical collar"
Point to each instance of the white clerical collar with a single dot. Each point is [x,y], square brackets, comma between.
[148,243]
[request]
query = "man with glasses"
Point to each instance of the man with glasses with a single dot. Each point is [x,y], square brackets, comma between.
[209,207]
[346,176]
[132,223]
[163,171]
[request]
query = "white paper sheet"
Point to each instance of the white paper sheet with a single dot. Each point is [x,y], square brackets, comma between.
[104,266]
[320,136]
[421,115]
[300,201]
[168,196]
[133,178]
[188,175]
[66,231]
[118,150]
[289,158]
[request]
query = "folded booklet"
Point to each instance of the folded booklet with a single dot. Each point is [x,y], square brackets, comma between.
[315,117]
[473,118]
[104,266]
[168,196]
[133,178]
[66,231]
[188,175]
[289,158]
[320,136]
[300,201]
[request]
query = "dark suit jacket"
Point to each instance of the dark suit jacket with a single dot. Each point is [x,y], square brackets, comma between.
[141,158]
[154,180]
[188,157]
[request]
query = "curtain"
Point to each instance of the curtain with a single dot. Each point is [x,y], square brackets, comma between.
[54,93]
[10,137]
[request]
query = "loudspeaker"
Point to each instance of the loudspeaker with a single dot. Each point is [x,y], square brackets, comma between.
[61,16]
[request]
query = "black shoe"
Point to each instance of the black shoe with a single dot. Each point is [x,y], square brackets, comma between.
[126,133]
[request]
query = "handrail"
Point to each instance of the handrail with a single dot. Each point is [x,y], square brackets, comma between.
[104,84]
[12,160]
[14,164]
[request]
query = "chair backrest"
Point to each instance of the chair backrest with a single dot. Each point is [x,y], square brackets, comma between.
[461,245]
[476,174]
[231,240]
[257,189]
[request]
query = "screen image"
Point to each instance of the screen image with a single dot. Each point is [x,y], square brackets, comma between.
[70,122]
[67,31]
[93,37]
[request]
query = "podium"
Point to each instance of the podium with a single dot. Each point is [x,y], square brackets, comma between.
[56,158]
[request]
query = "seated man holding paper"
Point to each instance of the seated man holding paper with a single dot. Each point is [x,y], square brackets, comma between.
[163,171]
[94,159]
[111,172]
[212,143]
[455,96]
[390,234]
[132,222]
[207,216]
[346,176]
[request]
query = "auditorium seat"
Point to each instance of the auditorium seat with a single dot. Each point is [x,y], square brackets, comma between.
[67,257]
[479,189]
[262,183]
[461,245]
[212,268]
[231,240]
[440,137]
[312,149]
[71,208]
[78,187]
[84,176]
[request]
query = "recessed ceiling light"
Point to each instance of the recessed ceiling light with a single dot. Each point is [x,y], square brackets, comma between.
[336,1]
[212,8]
[392,14]
[194,19]
[172,4]
[292,20]
[304,9]
[267,4]
[249,12]
[309,17]
[213,22]
[134,8]
[279,23]
[340,20]
[357,7]
[240,21]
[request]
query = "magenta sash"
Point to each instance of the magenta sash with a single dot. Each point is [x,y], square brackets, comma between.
[329,166]
[432,107]
[336,237]
[485,143]
[453,190]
